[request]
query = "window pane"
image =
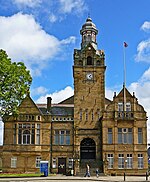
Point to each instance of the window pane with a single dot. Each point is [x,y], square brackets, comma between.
[130,138]
[67,139]
[119,138]
[120,106]
[70,163]
[140,138]
[13,162]
[109,135]
[125,138]
[38,159]
[62,139]
[140,161]
[128,106]
[110,161]
[121,161]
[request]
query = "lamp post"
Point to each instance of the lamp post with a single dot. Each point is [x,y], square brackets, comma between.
[125,165]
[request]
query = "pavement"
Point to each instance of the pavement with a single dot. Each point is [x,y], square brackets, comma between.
[63,178]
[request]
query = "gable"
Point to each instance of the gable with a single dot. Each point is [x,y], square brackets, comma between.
[28,106]
[69,100]
[121,93]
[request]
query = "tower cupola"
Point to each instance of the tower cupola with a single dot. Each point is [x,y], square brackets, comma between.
[89,33]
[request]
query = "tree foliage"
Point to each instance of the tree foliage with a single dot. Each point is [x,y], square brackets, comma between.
[15,81]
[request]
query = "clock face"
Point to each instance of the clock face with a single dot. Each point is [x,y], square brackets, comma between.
[89,76]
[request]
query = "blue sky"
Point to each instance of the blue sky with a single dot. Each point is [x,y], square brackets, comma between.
[44,33]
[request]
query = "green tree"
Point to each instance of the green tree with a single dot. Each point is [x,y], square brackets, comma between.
[15,81]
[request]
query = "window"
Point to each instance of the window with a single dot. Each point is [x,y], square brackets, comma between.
[54,164]
[125,135]
[62,137]
[110,136]
[26,133]
[128,106]
[89,38]
[80,116]
[140,138]
[13,162]
[26,137]
[15,131]
[38,134]
[110,158]
[120,106]
[129,161]
[92,115]
[121,161]
[89,60]
[67,137]
[70,163]
[86,115]
[140,161]
[37,162]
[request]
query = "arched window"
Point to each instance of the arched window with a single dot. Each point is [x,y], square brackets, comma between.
[80,63]
[98,62]
[89,60]
[26,137]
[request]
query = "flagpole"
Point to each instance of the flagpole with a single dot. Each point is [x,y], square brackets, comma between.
[124,75]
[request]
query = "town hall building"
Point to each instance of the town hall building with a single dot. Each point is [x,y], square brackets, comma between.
[87,128]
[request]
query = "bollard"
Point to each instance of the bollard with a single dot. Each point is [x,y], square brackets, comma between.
[124,176]
[146,176]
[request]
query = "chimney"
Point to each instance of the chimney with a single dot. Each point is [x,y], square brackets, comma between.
[49,99]
[114,94]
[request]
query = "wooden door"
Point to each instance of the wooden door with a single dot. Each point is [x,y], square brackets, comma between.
[61,165]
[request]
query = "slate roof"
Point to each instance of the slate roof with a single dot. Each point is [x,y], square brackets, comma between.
[58,111]
[64,108]
[62,111]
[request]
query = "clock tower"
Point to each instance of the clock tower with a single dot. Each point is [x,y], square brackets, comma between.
[89,97]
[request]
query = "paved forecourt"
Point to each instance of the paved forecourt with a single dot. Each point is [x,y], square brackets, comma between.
[63,178]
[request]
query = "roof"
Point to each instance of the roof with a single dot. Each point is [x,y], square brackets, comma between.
[63,108]
[62,111]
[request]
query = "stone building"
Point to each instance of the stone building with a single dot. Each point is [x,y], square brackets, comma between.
[85,128]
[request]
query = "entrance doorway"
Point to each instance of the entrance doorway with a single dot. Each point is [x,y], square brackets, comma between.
[88,149]
[61,165]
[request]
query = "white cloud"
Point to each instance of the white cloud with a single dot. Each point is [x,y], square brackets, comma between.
[53,18]
[39,91]
[69,6]
[69,40]
[24,40]
[28,3]
[146,76]
[143,48]
[109,93]
[142,92]
[146,26]
[143,51]
[57,96]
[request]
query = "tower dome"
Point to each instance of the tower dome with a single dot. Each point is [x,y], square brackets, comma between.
[89,33]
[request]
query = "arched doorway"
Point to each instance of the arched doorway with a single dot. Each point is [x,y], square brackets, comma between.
[87,149]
